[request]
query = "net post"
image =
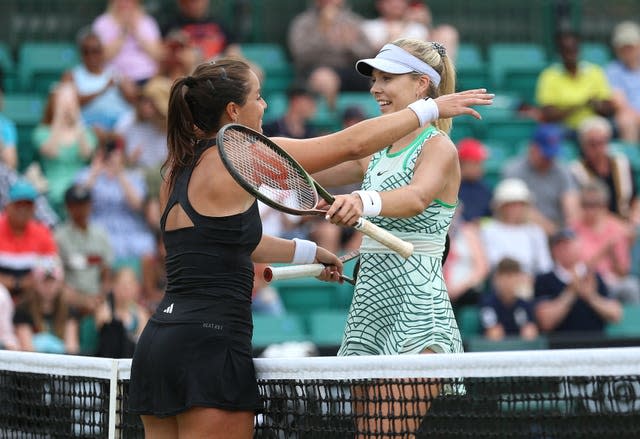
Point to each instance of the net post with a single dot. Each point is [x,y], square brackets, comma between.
[113,398]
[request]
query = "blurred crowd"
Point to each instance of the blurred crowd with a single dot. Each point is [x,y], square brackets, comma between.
[553,246]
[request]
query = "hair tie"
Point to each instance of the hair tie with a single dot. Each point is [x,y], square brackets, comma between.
[440,48]
[190,81]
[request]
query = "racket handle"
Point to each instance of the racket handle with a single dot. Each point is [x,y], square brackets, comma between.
[292,271]
[388,239]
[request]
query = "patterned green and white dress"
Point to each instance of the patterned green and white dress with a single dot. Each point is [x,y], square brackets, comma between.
[402,306]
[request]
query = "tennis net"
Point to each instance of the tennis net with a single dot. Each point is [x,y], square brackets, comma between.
[587,393]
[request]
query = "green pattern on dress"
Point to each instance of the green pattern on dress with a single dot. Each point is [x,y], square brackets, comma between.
[402,306]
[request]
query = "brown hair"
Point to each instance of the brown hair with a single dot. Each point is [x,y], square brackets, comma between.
[196,106]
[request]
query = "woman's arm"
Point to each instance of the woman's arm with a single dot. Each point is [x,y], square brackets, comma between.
[430,179]
[366,137]
[342,174]
[273,249]
[71,337]
[24,334]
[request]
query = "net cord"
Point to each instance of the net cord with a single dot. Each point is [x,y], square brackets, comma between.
[561,362]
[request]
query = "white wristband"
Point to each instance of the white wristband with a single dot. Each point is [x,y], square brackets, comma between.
[426,110]
[305,251]
[371,202]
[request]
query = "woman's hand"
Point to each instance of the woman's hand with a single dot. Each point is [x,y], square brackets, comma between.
[346,210]
[333,269]
[455,104]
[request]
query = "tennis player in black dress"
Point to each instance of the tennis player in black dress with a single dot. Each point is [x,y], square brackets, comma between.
[192,374]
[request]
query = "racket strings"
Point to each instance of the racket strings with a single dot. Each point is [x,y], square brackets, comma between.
[268,172]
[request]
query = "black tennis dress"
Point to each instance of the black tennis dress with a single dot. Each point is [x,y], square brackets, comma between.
[196,349]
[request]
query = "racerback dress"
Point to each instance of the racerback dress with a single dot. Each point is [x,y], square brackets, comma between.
[401,306]
[196,348]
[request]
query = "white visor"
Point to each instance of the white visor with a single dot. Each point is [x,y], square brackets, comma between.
[395,60]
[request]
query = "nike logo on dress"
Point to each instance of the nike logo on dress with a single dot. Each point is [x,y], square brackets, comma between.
[380,173]
[168,309]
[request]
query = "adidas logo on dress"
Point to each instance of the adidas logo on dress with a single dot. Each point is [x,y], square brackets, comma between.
[169,309]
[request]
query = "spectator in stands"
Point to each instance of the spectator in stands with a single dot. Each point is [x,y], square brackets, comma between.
[265,298]
[43,211]
[555,198]
[64,142]
[503,312]
[8,338]
[44,321]
[295,122]
[207,35]
[85,251]
[22,239]
[605,243]
[624,76]
[120,319]
[474,193]
[571,91]
[118,196]
[571,298]
[511,233]
[325,41]
[104,95]
[144,131]
[598,162]
[179,57]
[8,138]
[467,266]
[131,40]
[393,21]
[445,34]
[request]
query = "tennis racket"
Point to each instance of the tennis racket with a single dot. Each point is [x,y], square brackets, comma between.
[271,175]
[305,270]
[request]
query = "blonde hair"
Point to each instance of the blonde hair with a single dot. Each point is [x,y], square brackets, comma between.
[435,55]
[597,123]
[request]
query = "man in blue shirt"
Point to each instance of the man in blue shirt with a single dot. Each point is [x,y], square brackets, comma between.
[572,297]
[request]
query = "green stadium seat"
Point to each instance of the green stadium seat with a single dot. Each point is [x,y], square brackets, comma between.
[326,327]
[276,105]
[8,69]
[40,64]
[361,99]
[325,120]
[481,344]
[514,58]
[513,131]
[272,58]
[307,295]
[468,318]
[462,128]
[277,329]
[630,150]
[471,69]
[595,52]
[26,111]
[629,325]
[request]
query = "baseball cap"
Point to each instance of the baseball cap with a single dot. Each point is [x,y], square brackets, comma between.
[472,150]
[548,137]
[563,234]
[394,59]
[22,190]
[77,194]
[626,33]
[511,190]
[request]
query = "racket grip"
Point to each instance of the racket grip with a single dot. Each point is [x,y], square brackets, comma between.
[384,237]
[292,271]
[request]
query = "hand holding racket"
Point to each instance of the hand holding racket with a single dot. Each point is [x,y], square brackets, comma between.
[305,270]
[271,175]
